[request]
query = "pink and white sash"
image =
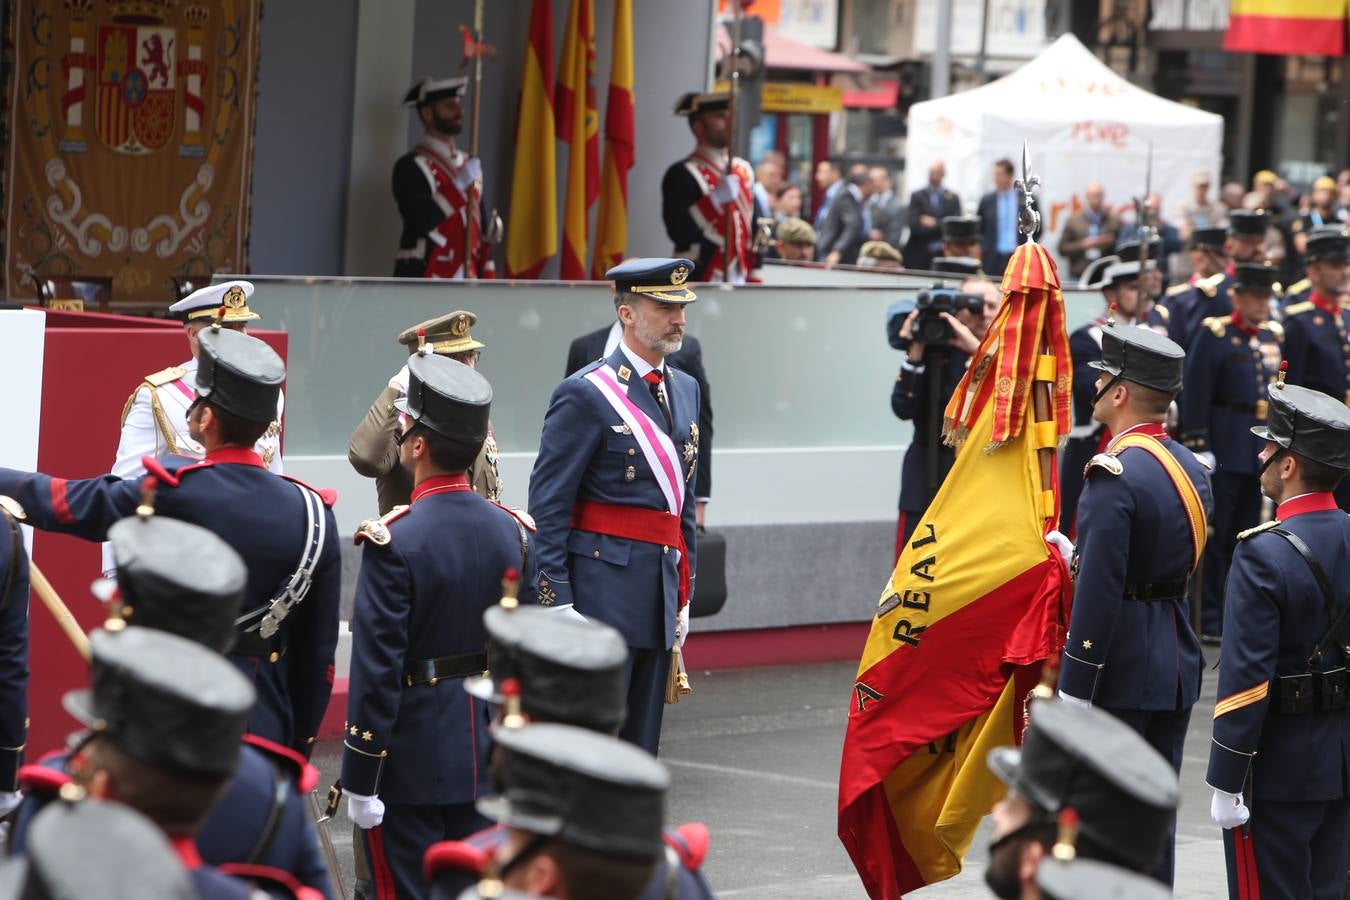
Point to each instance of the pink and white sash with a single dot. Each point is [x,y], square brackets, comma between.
[657,448]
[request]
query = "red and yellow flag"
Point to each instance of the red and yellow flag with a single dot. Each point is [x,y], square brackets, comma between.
[578,126]
[1294,27]
[611,225]
[532,227]
[976,603]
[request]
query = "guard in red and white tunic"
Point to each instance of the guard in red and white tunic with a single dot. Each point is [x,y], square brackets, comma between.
[697,196]
[439,192]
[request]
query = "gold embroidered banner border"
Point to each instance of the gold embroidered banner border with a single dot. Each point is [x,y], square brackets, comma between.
[130,126]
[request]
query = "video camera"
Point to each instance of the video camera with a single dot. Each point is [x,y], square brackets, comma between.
[930,327]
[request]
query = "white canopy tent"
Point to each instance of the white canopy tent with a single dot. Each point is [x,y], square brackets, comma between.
[1082,121]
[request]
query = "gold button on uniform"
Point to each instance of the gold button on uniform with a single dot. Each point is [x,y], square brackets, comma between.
[632,451]
[596,554]
[665,549]
[273,656]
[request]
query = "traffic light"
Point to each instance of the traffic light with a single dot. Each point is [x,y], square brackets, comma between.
[915,84]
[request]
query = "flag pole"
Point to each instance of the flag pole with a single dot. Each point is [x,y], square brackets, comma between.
[475,189]
[1042,392]
[729,228]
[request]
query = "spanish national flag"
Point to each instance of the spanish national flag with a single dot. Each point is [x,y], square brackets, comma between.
[579,126]
[1292,27]
[611,224]
[976,604]
[532,228]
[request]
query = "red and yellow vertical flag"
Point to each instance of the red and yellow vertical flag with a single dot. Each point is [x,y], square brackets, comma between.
[1293,27]
[532,227]
[579,127]
[975,605]
[611,225]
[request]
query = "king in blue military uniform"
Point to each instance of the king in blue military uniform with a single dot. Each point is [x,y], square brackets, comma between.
[1317,328]
[1142,522]
[416,746]
[1228,367]
[1281,746]
[183,579]
[283,529]
[610,487]
[13,653]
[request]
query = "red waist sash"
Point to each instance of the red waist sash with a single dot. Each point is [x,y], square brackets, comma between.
[651,526]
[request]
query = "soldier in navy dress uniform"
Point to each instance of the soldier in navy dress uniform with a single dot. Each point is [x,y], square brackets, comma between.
[1125,305]
[416,745]
[698,195]
[166,717]
[1121,791]
[568,671]
[13,653]
[1325,254]
[1228,367]
[182,579]
[1317,329]
[1208,258]
[1142,521]
[439,190]
[1282,722]
[283,529]
[105,850]
[584,812]
[1245,243]
[611,487]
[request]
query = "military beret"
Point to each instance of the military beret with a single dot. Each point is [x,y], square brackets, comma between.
[446,335]
[880,250]
[793,230]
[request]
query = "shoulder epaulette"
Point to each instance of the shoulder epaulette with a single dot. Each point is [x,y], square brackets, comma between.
[1299,308]
[1111,464]
[12,508]
[377,530]
[1217,324]
[40,779]
[1252,532]
[519,515]
[1210,286]
[1176,289]
[690,842]
[306,776]
[1274,328]
[1163,313]
[1298,287]
[329,496]
[165,376]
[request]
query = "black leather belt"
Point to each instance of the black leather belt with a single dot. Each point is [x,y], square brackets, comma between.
[1158,591]
[430,671]
[250,643]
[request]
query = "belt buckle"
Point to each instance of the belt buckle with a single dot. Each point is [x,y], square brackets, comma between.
[1262,408]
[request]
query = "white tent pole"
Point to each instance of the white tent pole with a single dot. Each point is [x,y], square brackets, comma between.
[942,52]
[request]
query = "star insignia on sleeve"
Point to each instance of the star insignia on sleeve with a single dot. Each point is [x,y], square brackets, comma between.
[366,735]
[1087,645]
[353,730]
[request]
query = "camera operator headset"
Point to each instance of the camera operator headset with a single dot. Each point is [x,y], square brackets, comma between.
[939,334]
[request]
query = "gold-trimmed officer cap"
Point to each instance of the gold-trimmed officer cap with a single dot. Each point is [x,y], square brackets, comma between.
[693,103]
[205,303]
[793,230]
[429,90]
[657,277]
[445,335]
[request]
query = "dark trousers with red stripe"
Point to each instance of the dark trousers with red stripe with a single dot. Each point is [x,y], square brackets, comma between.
[1292,851]
[1165,731]
[395,848]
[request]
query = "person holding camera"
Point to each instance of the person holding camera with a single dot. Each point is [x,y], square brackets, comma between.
[939,338]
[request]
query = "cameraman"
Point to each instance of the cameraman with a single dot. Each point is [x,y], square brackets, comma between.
[976,306]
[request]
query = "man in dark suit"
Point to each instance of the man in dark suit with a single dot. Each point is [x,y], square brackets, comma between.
[601,344]
[886,210]
[839,221]
[998,212]
[927,207]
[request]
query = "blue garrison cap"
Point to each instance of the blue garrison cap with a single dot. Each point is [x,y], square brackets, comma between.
[656,277]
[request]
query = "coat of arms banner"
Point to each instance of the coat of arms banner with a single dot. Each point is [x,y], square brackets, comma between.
[130,128]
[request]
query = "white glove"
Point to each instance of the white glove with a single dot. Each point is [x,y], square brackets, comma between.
[567,611]
[727,190]
[682,624]
[470,172]
[9,801]
[1208,459]
[1062,545]
[400,382]
[1075,701]
[365,812]
[1227,810]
